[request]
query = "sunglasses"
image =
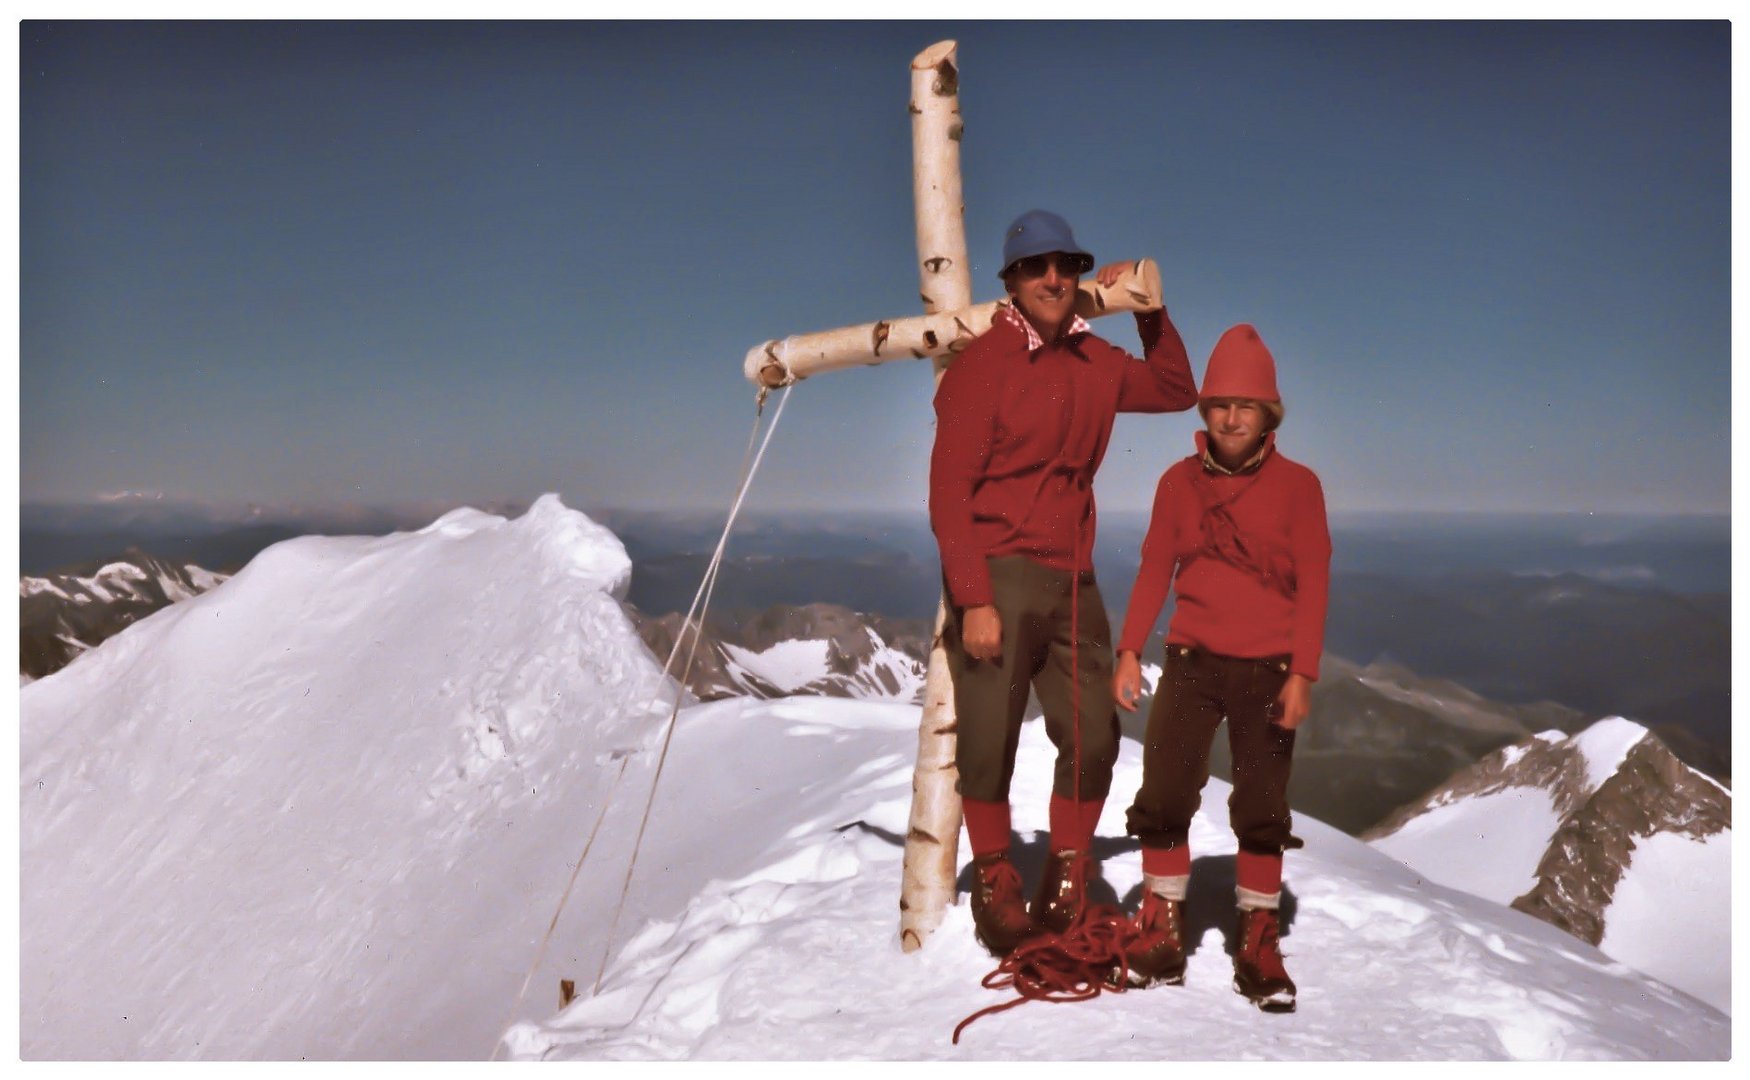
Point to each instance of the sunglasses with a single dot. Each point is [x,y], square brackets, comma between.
[1034,266]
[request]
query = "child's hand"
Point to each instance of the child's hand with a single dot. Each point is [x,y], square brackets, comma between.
[1127,681]
[1293,703]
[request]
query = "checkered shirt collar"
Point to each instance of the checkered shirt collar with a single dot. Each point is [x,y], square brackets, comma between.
[1008,314]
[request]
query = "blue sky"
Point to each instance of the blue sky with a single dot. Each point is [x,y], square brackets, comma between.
[321,263]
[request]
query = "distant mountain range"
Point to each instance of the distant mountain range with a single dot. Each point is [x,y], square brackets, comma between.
[1379,736]
[818,649]
[1662,658]
[1603,833]
[1601,614]
[63,615]
[1454,666]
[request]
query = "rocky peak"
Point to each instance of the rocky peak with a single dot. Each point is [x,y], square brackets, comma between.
[65,614]
[823,649]
[1611,785]
[1649,792]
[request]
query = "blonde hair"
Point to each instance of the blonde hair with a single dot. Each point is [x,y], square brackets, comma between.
[1272,409]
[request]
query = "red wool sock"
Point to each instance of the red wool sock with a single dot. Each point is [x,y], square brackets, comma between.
[1258,873]
[1167,861]
[987,826]
[1073,823]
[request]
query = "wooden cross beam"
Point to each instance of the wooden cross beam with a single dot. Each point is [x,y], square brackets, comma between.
[950,321]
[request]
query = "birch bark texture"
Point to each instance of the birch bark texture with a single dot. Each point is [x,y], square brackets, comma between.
[939,336]
[932,837]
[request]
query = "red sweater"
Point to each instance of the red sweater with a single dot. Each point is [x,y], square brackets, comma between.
[1253,573]
[1019,435]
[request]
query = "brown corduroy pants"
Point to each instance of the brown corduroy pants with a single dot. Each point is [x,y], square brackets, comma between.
[990,696]
[1198,689]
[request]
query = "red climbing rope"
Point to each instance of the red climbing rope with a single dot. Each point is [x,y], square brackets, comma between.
[1089,958]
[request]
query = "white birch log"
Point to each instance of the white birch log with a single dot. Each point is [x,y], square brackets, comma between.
[939,336]
[932,838]
[944,274]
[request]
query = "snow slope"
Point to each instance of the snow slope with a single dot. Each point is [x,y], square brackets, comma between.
[319,810]
[1489,846]
[1604,833]
[328,809]
[794,954]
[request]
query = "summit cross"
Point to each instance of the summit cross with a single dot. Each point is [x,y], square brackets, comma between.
[949,323]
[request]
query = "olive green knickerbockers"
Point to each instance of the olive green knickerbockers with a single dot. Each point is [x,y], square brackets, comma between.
[990,696]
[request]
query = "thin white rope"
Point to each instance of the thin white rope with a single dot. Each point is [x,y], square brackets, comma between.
[706,585]
[705,589]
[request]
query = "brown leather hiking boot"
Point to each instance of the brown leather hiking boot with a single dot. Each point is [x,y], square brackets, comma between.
[999,912]
[1157,953]
[1258,970]
[1063,891]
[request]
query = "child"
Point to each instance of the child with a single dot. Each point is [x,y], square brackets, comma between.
[1243,529]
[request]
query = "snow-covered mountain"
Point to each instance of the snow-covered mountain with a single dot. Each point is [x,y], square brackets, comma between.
[63,615]
[815,649]
[1604,834]
[330,808]
[326,809]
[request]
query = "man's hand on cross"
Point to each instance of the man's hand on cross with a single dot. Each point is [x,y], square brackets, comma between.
[1112,273]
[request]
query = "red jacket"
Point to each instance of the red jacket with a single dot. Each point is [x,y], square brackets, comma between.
[1019,435]
[1253,556]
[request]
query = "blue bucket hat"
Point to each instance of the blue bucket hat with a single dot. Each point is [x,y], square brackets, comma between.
[1038,232]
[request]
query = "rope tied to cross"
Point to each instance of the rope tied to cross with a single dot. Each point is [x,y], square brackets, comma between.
[750,463]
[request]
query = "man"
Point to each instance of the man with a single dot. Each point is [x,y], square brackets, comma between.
[1239,532]
[1023,419]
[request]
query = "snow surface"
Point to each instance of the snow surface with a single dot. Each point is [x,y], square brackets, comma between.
[329,808]
[1604,745]
[123,571]
[890,674]
[1665,914]
[30,586]
[788,665]
[796,956]
[1677,912]
[326,809]
[203,579]
[1488,845]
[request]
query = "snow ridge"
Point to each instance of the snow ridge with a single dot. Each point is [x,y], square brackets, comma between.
[324,788]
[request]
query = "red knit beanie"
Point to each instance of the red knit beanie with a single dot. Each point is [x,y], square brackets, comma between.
[1241,367]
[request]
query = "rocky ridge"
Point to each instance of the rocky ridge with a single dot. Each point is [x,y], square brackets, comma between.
[64,615]
[1611,787]
[812,649]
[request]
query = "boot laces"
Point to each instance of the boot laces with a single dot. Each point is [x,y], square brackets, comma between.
[1001,880]
[1263,946]
[1156,916]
